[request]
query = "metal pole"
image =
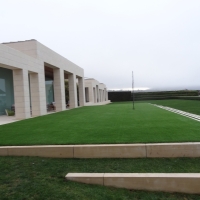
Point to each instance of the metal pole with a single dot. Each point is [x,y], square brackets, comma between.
[133,89]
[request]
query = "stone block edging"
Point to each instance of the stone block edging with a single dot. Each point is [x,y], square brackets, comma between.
[165,182]
[154,150]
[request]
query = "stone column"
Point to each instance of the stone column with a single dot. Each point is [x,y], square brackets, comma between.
[91,93]
[100,95]
[97,91]
[81,89]
[21,93]
[86,94]
[38,94]
[72,91]
[95,95]
[106,95]
[59,89]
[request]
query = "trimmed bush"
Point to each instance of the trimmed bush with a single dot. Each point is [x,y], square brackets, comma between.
[10,112]
[116,96]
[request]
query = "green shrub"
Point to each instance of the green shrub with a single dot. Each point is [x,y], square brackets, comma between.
[10,112]
[115,96]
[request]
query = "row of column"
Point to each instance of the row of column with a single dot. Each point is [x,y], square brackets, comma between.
[94,94]
[37,92]
[103,95]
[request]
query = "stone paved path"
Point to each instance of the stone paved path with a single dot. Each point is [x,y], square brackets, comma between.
[180,112]
[4,119]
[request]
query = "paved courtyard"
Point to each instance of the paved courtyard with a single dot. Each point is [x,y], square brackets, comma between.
[4,119]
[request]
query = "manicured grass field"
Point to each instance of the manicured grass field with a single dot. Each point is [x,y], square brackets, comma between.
[114,123]
[192,106]
[43,178]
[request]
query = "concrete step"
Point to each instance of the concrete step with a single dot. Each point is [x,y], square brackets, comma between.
[165,182]
[154,150]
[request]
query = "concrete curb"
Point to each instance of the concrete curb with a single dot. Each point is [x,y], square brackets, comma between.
[110,151]
[156,150]
[166,182]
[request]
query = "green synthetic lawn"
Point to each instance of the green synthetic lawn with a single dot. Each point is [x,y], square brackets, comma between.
[43,178]
[191,106]
[113,123]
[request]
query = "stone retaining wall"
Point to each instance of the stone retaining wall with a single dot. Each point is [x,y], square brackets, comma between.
[165,182]
[157,150]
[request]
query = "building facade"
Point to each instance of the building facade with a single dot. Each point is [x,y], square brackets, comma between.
[32,76]
[95,93]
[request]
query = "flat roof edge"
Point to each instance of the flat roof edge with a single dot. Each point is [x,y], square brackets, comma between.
[19,41]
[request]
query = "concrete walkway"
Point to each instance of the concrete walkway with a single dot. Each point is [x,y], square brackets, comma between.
[4,119]
[180,112]
[98,104]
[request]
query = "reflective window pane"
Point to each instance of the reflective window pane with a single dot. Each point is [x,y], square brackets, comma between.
[6,90]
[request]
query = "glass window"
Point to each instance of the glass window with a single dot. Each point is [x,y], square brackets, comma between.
[49,90]
[6,90]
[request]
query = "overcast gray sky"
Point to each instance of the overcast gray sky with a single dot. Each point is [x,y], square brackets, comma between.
[157,39]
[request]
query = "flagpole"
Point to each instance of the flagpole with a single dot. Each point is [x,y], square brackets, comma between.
[133,89]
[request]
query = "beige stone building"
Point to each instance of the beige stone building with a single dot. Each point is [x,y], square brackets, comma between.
[95,93]
[32,76]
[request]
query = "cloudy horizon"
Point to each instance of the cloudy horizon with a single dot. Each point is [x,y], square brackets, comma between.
[158,40]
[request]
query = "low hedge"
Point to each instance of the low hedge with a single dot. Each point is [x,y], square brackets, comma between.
[115,96]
